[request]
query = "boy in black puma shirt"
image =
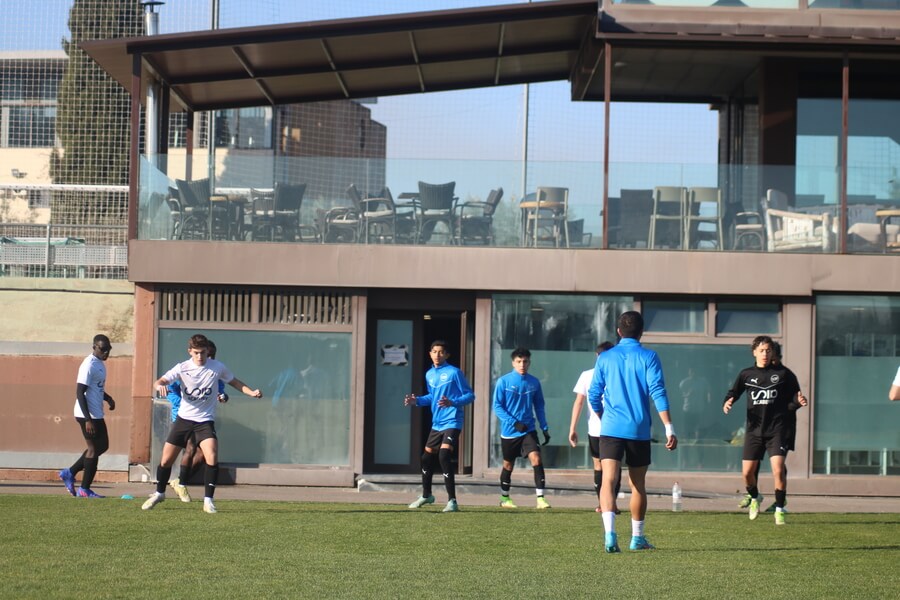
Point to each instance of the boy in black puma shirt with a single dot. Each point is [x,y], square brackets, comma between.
[772,391]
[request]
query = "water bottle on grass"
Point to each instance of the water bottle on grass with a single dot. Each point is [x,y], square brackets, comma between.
[676,497]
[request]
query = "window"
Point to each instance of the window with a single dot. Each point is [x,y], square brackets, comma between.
[748,318]
[674,317]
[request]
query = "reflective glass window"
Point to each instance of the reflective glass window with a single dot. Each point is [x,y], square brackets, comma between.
[857,350]
[304,415]
[748,318]
[676,317]
[562,333]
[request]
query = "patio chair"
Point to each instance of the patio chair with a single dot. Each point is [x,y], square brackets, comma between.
[703,216]
[199,212]
[262,215]
[787,230]
[475,219]
[288,199]
[668,214]
[547,218]
[437,204]
[377,217]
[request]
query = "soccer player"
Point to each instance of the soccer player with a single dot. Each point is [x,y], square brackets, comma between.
[772,392]
[89,398]
[581,391]
[448,394]
[518,397]
[192,457]
[626,377]
[199,376]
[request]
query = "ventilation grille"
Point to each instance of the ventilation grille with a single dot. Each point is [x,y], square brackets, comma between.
[309,308]
[275,307]
[217,306]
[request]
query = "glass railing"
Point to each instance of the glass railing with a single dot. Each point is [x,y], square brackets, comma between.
[656,206]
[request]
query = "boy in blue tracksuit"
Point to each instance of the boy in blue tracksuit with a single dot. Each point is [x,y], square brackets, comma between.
[517,399]
[448,394]
[626,377]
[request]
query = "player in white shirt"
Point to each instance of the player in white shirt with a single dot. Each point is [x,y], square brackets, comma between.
[199,378]
[581,390]
[89,398]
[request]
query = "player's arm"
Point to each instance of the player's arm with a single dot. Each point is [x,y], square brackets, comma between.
[541,412]
[894,394]
[244,388]
[80,390]
[109,400]
[576,414]
[734,393]
[466,395]
[499,403]
[671,439]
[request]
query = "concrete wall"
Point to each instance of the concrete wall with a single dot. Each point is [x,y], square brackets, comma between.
[46,327]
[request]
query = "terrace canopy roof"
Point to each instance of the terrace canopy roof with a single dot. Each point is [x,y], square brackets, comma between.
[658,53]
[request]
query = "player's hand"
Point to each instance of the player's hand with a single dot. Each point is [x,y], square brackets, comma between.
[112,403]
[89,427]
[671,442]
[802,400]
[546,433]
[573,438]
[223,398]
[520,427]
[726,408]
[409,400]
[162,391]
[255,394]
[445,402]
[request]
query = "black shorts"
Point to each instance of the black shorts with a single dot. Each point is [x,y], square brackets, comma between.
[438,438]
[756,446]
[100,431]
[636,452]
[182,429]
[594,446]
[521,446]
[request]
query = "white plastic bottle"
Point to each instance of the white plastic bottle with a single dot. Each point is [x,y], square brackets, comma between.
[676,497]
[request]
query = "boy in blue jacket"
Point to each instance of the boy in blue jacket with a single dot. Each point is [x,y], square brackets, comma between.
[518,397]
[448,394]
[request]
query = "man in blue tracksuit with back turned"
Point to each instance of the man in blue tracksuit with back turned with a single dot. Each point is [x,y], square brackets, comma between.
[625,378]
[448,394]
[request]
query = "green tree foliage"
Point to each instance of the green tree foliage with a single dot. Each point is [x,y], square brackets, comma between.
[92,119]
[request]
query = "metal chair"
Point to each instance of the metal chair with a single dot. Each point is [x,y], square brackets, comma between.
[262,215]
[669,209]
[288,200]
[475,219]
[548,220]
[437,204]
[703,210]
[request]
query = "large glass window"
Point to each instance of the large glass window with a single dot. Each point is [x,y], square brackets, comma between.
[857,350]
[674,317]
[304,416]
[755,318]
[562,333]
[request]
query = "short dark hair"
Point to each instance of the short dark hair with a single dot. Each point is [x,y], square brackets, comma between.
[603,347]
[440,343]
[198,341]
[762,339]
[631,324]
[520,353]
[212,348]
[100,338]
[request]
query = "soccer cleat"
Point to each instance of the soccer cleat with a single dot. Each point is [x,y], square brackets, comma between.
[639,542]
[771,508]
[610,543]
[68,480]
[181,490]
[88,493]
[208,506]
[779,517]
[154,499]
[452,506]
[542,503]
[506,502]
[745,501]
[754,507]
[422,501]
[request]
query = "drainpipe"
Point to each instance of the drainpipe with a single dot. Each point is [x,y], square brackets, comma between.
[152,116]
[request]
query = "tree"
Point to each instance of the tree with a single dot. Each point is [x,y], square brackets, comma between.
[92,118]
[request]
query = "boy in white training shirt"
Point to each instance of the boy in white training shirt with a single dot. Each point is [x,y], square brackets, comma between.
[199,377]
